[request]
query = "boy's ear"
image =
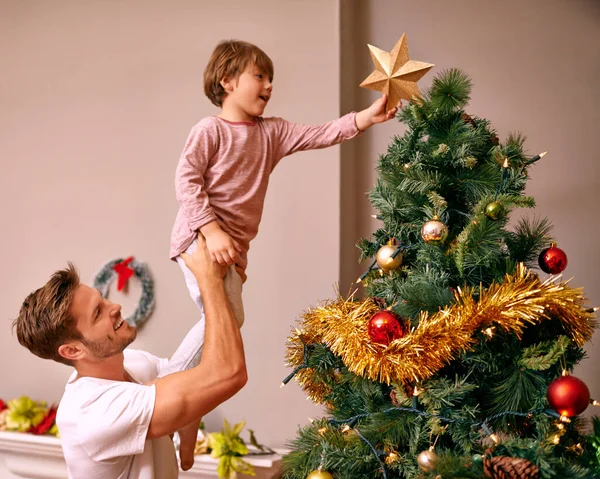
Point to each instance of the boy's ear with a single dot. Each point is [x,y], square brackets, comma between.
[226,84]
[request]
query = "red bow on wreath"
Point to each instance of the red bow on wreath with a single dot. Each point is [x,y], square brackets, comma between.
[124,272]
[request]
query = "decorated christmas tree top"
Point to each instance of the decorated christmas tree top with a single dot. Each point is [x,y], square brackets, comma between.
[456,362]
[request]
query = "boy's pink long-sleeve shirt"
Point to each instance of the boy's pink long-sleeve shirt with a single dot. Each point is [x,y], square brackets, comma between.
[224,171]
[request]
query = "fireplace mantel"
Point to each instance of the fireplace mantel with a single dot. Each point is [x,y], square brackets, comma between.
[40,457]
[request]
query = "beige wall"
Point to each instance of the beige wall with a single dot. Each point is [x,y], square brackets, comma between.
[97,97]
[97,100]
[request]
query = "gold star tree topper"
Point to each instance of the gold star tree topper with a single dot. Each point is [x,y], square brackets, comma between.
[395,73]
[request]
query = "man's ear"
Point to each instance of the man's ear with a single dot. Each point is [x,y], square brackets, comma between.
[72,351]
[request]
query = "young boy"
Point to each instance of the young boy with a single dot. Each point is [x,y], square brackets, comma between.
[222,175]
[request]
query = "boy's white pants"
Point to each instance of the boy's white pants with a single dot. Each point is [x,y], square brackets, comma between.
[233,286]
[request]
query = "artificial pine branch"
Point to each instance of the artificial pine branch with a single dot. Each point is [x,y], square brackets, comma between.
[542,356]
[450,90]
[517,390]
[528,238]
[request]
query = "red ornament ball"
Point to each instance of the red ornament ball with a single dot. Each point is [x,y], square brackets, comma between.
[568,396]
[553,260]
[384,327]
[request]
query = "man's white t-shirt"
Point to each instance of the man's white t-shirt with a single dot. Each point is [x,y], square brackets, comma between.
[103,425]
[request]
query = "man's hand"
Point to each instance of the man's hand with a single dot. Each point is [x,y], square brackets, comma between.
[201,264]
[187,444]
[222,247]
[375,114]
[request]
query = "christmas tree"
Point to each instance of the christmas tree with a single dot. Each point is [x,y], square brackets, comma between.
[456,362]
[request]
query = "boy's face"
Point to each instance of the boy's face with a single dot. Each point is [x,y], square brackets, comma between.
[248,94]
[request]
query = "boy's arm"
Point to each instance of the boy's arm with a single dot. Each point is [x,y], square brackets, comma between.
[193,200]
[186,396]
[200,148]
[295,137]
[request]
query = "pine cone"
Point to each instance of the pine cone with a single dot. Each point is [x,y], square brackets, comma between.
[379,302]
[504,467]
[408,389]
[468,119]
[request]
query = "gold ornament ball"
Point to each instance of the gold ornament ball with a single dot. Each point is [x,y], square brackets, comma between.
[319,475]
[385,260]
[434,231]
[428,460]
[494,210]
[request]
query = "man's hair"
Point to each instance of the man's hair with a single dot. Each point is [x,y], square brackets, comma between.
[229,60]
[45,321]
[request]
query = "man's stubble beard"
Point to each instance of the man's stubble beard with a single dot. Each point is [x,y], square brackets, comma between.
[108,348]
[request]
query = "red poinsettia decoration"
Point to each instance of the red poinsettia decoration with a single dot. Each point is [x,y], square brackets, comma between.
[46,424]
[3,405]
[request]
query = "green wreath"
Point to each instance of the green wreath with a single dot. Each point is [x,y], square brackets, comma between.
[123,269]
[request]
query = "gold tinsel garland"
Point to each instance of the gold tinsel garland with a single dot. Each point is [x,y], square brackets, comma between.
[521,300]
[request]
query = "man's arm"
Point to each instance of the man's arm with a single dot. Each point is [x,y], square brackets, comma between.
[186,396]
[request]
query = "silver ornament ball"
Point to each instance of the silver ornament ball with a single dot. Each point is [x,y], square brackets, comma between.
[434,231]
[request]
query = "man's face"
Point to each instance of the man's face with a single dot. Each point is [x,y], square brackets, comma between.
[105,332]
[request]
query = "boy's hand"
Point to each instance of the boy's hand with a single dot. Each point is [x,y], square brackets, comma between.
[376,113]
[201,264]
[223,248]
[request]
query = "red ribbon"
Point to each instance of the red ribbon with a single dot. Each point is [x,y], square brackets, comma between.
[124,272]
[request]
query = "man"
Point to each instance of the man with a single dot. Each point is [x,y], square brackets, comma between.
[118,410]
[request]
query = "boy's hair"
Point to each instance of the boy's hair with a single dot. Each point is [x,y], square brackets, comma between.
[229,60]
[45,321]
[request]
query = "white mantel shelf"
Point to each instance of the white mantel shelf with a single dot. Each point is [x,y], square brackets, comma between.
[40,457]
